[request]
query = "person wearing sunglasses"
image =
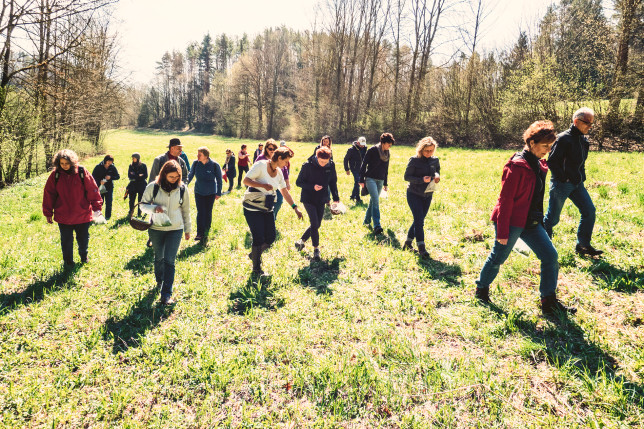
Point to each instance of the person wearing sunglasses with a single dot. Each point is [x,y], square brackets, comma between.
[567,162]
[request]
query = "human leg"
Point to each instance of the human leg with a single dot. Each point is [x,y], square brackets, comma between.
[82,238]
[67,242]
[200,202]
[497,257]
[538,241]
[355,193]
[374,186]
[580,198]
[172,243]
[559,192]
[107,199]
[158,239]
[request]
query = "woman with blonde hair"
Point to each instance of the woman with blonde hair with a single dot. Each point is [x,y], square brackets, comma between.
[422,173]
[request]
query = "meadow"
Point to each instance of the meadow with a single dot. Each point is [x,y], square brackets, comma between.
[370,336]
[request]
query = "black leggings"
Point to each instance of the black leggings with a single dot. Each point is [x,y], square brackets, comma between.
[316,213]
[133,196]
[262,226]
[242,169]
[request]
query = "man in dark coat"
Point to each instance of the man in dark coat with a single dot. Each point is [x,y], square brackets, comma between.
[174,152]
[352,162]
[104,174]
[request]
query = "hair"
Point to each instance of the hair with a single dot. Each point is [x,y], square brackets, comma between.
[171,166]
[229,150]
[323,153]
[539,132]
[387,138]
[66,154]
[282,153]
[205,151]
[108,157]
[325,138]
[268,143]
[243,146]
[262,144]
[423,143]
[583,113]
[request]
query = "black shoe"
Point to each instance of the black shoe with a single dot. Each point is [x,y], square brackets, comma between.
[84,260]
[166,299]
[198,238]
[587,250]
[377,230]
[316,254]
[424,254]
[149,243]
[408,246]
[483,295]
[299,245]
[551,305]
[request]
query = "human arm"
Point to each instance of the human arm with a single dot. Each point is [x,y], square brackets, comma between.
[154,170]
[557,158]
[185,214]
[365,164]
[114,173]
[289,199]
[303,181]
[333,184]
[92,193]
[510,183]
[218,179]
[411,175]
[191,174]
[49,197]
[347,158]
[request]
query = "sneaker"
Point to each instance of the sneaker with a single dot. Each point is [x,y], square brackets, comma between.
[316,254]
[587,250]
[299,245]
[377,230]
[483,295]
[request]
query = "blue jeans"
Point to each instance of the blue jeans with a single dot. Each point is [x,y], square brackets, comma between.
[278,204]
[355,192]
[539,242]
[419,207]
[67,241]
[559,192]
[204,205]
[374,186]
[166,245]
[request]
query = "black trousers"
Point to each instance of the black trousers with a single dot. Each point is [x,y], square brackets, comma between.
[241,170]
[262,226]
[204,205]
[133,197]
[107,199]
[67,241]
[316,213]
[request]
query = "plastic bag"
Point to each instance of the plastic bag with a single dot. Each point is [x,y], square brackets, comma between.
[98,218]
[102,189]
[383,193]
[161,219]
[521,247]
[431,186]
[338,208]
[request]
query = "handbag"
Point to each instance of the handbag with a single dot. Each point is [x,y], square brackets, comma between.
[139,224]
[364,191]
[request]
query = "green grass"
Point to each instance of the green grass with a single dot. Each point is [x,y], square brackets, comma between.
[368,337]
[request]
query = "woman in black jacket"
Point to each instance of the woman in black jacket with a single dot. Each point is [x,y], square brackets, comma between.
[422,173]
[373,176]
[229,169]
[316,178]
[137,172]
[104,174]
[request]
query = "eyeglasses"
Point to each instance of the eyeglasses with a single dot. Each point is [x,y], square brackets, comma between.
[271,149]
[586,122]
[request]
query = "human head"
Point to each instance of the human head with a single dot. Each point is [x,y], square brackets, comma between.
[282,143]
[269,148]
[281,156]
[229,152]
[173,169]
[69,158]
[424,146]
[260,147]
[108,160]
[539,138]
[323,155]
[243,147]
[175,147]
[583,119]
[203,151]
[136,157]
[386,140]
[362,141]
[326,141]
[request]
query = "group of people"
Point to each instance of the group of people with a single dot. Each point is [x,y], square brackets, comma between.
[72,197]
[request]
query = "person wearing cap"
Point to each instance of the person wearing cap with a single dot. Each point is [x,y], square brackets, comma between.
[137,172]
[352,162]
[104,174]
[230,169]
[258,152]
[174,153]
[373,176]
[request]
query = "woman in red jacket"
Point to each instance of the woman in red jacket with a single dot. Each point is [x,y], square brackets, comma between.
[69,198]
[519,214]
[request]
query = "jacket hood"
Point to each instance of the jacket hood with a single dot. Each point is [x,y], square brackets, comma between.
[520,162]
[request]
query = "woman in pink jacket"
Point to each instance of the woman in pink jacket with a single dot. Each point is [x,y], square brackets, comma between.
[69,198]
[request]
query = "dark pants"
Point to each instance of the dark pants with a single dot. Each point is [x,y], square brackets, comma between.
[241,170]
[419,207]
[107,203]
[262,226]
[204,205]
[231,182]
[166,245]
[67,241]
[355,193]
[133,200]
[316,213]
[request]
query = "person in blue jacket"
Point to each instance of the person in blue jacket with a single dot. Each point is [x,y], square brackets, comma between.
[104,174]
[184,156]
[207,189]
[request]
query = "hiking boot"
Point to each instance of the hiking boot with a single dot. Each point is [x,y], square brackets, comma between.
[551,305]
[316,254]
[483,295]
[166,299]
[377,230]
[587,250]
[299,245]
[422,252]
[408,246]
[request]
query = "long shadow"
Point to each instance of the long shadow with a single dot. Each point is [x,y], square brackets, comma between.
[387,237]
[189,251]
[566,346]
[320,274]
[127,331]
[438,270]
[617,279]
[38,289]
[142,264]
[258,292]
[120,222]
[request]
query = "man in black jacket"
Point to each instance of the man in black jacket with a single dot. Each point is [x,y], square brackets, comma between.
[567,163]
[352,162]
[174,152]
[104,173]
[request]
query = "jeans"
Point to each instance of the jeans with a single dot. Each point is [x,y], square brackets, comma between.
[241,169]
[355,193]
[67,241]
[107,199]
[539,242]
[133,196]
[374,186]
[316,213]
[204,205]
[262,226]
[278,204]
[559,192]
[419,207]
[166,245]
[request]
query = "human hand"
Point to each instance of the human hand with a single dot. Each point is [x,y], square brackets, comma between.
[427,179]
[217,197]
[299,213]
[187,235]
[437,179]
[108,177]
[362,184]
[158,209]
[267,187]
[503,241]
[348,172]
[386,188]
[317,187]
[103,181]
[50,219]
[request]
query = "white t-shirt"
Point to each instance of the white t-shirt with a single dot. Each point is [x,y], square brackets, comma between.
[259,173]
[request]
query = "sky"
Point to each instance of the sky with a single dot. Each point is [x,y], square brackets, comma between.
[149,28]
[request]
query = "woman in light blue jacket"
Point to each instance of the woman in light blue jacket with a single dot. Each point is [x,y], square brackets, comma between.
[207,189]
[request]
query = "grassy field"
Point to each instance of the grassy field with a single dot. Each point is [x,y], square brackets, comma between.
[368,337]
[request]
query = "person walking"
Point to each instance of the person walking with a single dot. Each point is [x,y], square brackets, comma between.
[104,174]
[316,177]
[242,164]
[230,169]
[269,149]
[258,152]
[174,153]
[352,162]
[567,162]
[373,175]
[263,180]
[519,214]
[185,158]
[324,141]
[69,197]
[137,173]
[207,189]
[422,173]
[168,194]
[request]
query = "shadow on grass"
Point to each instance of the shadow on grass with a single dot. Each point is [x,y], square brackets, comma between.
[189,251]
[359,206]
[37,290]
[438,270]
[387,237]
[614,278]
[143,263]
[248,240]
[120,222]
[258,292]
[566,346]
[320,274]
[127,331]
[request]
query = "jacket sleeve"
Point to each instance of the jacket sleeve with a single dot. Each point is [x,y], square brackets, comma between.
[303,178]
[438,168]
[147,194]
[333,184]
[365,163]
[93,196]
[218,178]
[347,157]
[131,173]
[185,212]
[186,160]
[95,175]
[49,195]
[410,173]
[510,180]
[145,172]
[557,158]
[386,173]
[115,173]
[154,170]
[184,168]
[191,174]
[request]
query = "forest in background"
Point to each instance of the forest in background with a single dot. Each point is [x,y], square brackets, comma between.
[367,66]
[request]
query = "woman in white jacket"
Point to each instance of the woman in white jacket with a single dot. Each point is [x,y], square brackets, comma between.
[167,192]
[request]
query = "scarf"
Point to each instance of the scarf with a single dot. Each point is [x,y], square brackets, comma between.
[384,154]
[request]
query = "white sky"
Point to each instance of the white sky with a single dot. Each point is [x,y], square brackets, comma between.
[148,28]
